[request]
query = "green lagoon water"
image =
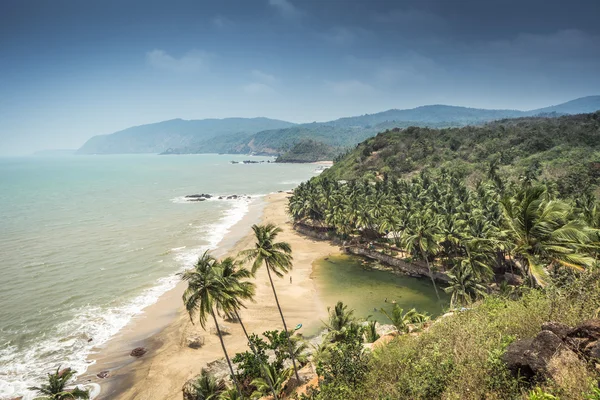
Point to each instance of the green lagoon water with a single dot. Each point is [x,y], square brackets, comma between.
[87,242]
[364,289]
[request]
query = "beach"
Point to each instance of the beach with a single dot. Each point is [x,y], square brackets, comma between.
[166,326]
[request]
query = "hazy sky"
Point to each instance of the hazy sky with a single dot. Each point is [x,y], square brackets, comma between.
[73,69]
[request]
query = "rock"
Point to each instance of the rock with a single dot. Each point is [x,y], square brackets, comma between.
[513,279]
[515,358]
[198,199]
[220,197]
[63,371]
[559,329]
[577,344]
[138,352]
[543,347]
[566,369]
[592,350]
[225,330]
[195,342]
[103,374]
[384,340]
[589,329]
[17,398]
[90,339]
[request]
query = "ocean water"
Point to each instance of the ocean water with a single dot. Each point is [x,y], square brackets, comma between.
[87,242]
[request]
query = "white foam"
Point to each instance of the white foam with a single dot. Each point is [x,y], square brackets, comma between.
[68,344]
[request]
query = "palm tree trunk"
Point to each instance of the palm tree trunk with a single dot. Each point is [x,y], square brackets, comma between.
[431,275]
[284,326]
[268,378]
[235,382]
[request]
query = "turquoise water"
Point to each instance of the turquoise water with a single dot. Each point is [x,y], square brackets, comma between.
[88,241]
[365,290]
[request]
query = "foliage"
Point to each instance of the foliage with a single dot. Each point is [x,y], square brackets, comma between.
[308,150]
[278,377]
[56,387]
[401,320]
[370,332]
[205,387]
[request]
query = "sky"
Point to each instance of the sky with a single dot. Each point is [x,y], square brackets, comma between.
[72,69]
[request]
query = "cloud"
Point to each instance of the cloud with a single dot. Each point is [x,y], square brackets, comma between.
[340,36]
[350,87]
[286,8]
[258,88]
[221,22]
[190,62]
[263,77]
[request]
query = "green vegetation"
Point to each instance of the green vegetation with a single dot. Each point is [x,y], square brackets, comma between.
[56,387]
[564,150]
[308,150]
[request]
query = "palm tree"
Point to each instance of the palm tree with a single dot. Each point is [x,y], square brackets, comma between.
[56,389]
[542,233]
[205,387]
[463,285]
[234,276]
[279,377]
[401,319]
[421,237]
[370,332]
[207,291]
[339,317]
[277,258]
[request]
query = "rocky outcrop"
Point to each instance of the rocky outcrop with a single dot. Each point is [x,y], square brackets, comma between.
[103,374]
[138,352]
[556,349]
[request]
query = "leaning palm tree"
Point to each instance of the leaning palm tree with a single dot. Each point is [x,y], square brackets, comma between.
[56,388]
[464,286]
[277,258]
[541,233]
[421,237]
[207,291]
[401,319]
[235,278]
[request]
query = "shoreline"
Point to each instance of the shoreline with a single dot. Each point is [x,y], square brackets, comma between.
[164,327]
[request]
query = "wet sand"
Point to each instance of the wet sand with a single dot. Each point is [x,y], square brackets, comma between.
[165,326]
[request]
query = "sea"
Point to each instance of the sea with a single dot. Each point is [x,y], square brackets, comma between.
[88,242]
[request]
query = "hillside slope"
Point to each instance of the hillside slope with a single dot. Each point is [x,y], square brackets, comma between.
[566,147]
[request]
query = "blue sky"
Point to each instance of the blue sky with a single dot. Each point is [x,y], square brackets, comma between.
[73,69]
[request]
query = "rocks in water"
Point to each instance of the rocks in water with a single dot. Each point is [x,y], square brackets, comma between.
[195,341]
[103,374]
[138,352]
[554,350]
[199,197]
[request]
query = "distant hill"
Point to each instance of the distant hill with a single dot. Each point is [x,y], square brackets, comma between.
[273,137]
[175,134]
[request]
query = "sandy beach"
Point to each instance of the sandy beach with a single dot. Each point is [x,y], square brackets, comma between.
[169,363]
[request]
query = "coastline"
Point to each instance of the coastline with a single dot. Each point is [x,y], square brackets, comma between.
[165,326]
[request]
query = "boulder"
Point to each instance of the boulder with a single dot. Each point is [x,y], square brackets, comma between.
[63,371]
[384,340]
[103,374]
[225,330]
[195,341]
[592,350]
[516,360]
[138,352]
[559,329]
[543,347]
[589,329]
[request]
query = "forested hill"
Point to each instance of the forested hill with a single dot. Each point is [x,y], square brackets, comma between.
[564,149]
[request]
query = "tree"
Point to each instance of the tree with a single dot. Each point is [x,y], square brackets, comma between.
[273,375]
[463,285]
[205,387]
[421,236]
[542,233]
[56,388]
[401,319]
[277,259]
[207,290]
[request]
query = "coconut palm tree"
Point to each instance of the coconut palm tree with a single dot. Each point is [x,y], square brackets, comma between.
[401,319]
[279,377]
[208,293]
[277,259]
[56,388]
[463,286]
[421,237]
[235,278]
[206,387]
[542,233]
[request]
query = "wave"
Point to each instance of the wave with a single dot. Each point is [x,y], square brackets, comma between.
[68,344]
